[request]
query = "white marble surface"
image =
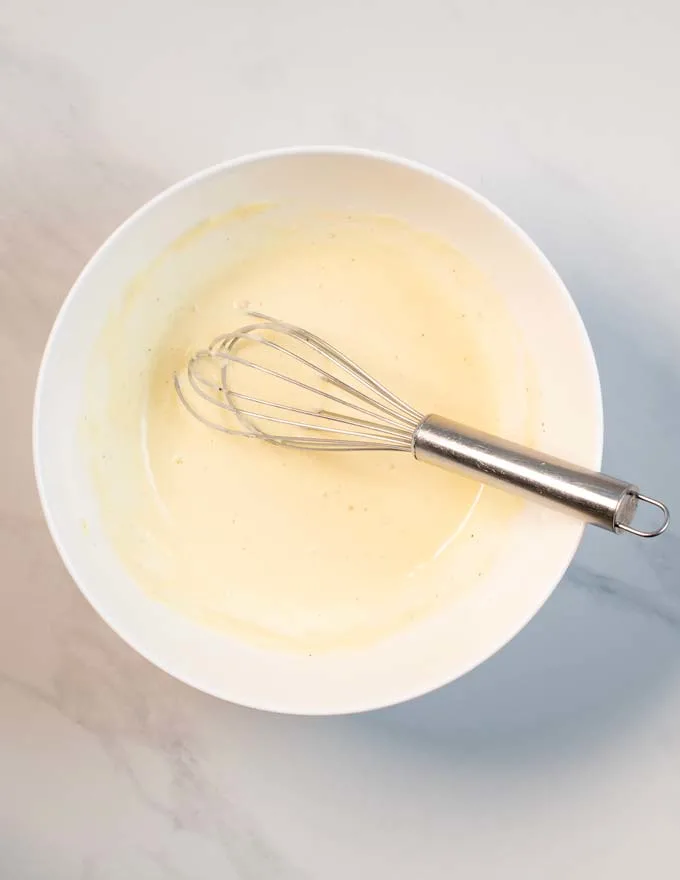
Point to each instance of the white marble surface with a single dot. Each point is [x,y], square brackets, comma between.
[559,758]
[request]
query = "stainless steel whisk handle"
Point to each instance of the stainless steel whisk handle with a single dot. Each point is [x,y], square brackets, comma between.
[595,498]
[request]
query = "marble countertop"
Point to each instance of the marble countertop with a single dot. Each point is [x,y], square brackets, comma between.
[558,758]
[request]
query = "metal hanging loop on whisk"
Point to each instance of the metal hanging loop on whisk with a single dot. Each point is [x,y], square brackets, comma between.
[339,407]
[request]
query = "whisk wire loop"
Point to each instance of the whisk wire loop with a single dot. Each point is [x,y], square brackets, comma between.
[370,417]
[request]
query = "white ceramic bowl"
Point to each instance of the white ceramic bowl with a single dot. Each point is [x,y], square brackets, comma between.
[434,651]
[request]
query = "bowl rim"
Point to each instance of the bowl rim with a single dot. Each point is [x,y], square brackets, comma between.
[597,428]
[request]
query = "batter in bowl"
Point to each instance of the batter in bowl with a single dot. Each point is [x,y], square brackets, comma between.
[294,549]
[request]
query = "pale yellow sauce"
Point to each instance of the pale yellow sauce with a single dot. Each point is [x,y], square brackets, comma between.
[294,549]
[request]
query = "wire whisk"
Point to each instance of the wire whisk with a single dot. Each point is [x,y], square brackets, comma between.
[315,398]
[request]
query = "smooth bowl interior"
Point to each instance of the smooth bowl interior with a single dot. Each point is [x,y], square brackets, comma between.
[431,652]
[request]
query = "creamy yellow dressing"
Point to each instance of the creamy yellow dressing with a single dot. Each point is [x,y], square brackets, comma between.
[295,549]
